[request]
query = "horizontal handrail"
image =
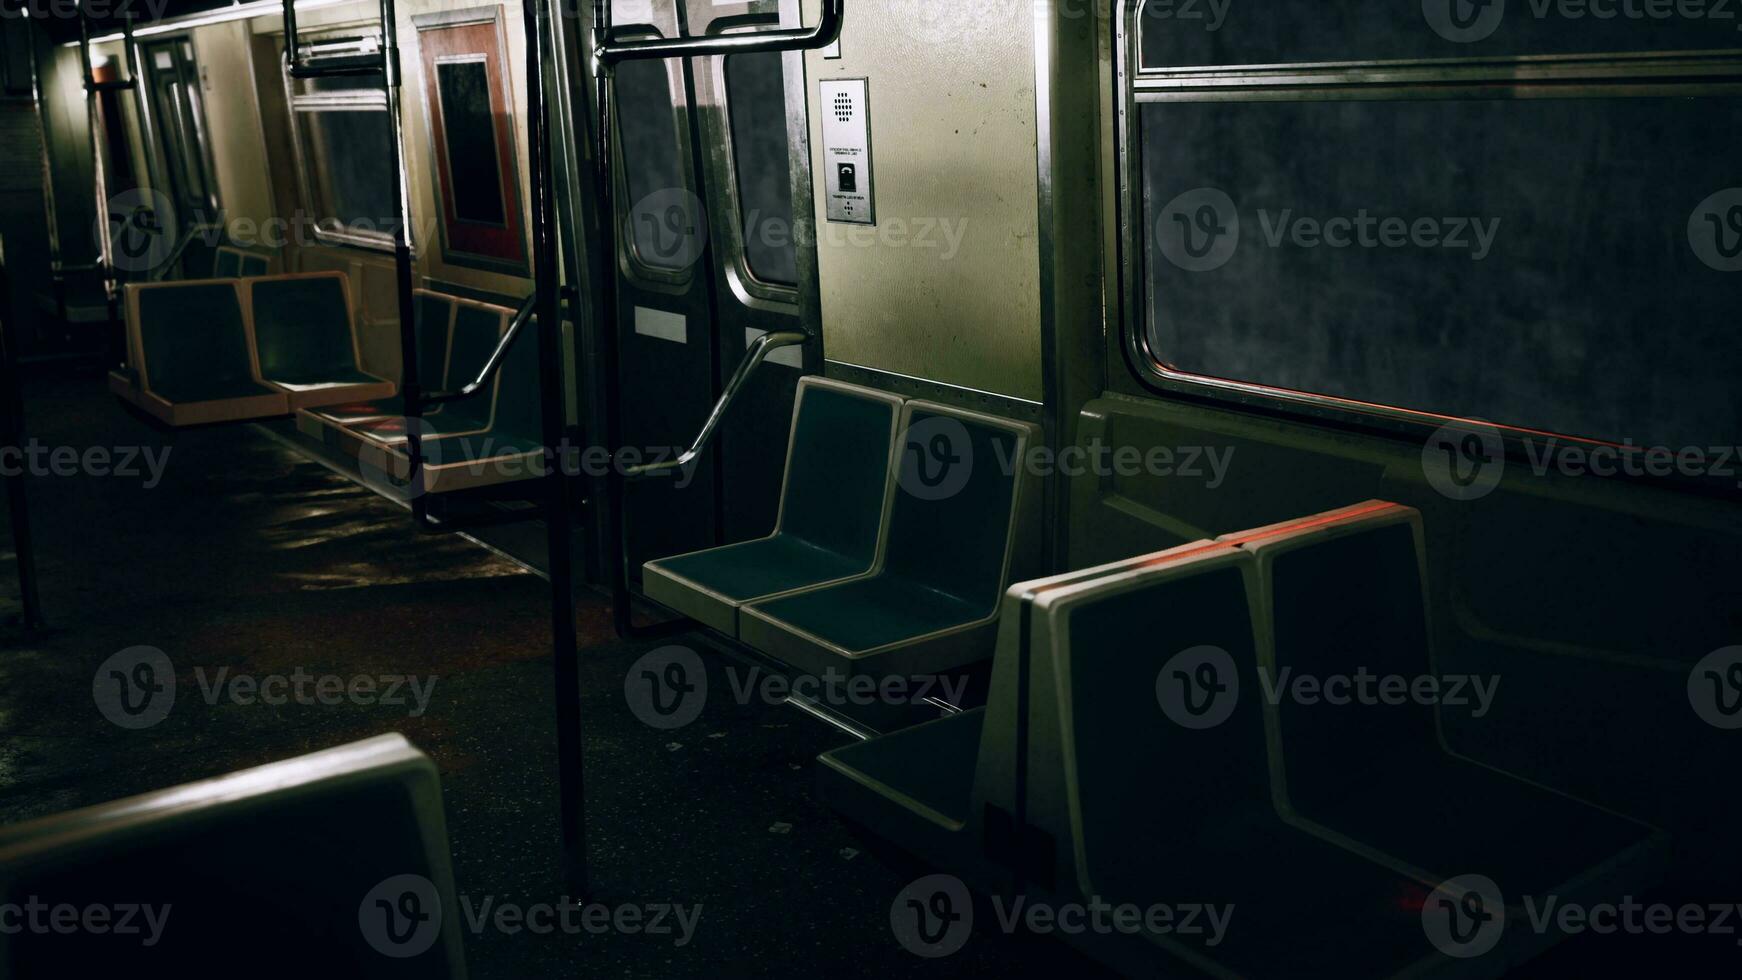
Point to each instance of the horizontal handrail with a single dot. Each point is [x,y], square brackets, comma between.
[497,356]
[826,31]
[753,358]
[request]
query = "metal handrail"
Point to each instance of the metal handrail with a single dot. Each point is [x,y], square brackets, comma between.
[609,53]
[194,231]
[493,365]
[753,358]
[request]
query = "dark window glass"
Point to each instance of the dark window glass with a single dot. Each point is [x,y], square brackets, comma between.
[346,155]
[470,128]
[1185,33]
[756,100]
[15,65]
[1561,264]
[664,215]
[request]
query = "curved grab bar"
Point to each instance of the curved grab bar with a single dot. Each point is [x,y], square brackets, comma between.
[826,31]
[497,356]
[753,358]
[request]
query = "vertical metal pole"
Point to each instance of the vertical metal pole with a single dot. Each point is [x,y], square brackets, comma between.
[557,480]
[23,545]
[48,203]
[410,389]
[100,184]
[604,79]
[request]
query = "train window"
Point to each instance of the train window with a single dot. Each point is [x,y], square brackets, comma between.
[662,212]
[1454,257]
[756,95]
[472,135]
[341,135]
[1197,33]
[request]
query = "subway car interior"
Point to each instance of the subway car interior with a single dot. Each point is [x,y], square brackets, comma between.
[784,488]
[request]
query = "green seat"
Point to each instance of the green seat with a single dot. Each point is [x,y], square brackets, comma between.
[435,320]
[833,502]
[1116,803]
[959,524]
[307,341]
[297,868]
[194,362]
[1346,596]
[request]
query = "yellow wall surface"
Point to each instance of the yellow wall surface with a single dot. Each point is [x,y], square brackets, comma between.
[953,142]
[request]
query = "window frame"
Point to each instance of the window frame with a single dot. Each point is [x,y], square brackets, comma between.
[514,211]
[753,291]
[1631,75]
[631,265]
[355,39]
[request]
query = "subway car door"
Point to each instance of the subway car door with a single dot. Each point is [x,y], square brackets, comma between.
[665,320]
[747,163]
[709,262]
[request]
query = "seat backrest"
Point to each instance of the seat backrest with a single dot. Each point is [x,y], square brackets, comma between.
[837,467]
[191,336]
[435,325]
[226,263]
[1159,721]
[477,330]
[519,410]
[1343,596]
[954,512]
[332,864]
[302,326]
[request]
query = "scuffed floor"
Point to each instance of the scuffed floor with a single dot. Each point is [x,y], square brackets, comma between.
[250,558]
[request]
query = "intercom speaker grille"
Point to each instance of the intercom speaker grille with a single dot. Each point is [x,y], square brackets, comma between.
[844,107]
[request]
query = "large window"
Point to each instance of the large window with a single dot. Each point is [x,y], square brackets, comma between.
[342,140]
[1542,243]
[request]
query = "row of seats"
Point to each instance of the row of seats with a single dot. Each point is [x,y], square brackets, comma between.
[1133,750]
[332,864]
[230,262]
[490,437]
[900,524]
[227,350]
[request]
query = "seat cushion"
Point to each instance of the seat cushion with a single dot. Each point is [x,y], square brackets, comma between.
[766,567]
[194,343]
[867,614]
[303,330]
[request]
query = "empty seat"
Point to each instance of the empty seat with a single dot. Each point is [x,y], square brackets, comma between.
[434,315]
[230,262]
[1343,597]
[491,437]
[1082,789]
[959,531]
[307,339]
[191,355]
[833,506]
[332,864]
